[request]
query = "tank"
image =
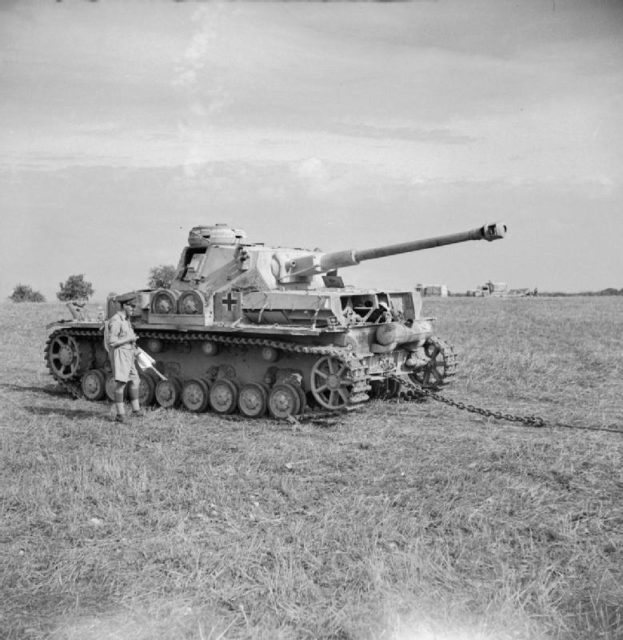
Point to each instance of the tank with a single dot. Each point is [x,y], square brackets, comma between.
[255,329]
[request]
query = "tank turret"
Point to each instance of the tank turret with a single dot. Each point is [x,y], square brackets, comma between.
[217,255]
[254,328]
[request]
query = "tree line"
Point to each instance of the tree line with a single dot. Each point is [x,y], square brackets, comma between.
[77,288]
[161,277]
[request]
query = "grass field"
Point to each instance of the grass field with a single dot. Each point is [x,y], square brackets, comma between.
[401,522]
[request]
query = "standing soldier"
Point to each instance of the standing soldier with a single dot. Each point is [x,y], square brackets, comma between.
[120,341]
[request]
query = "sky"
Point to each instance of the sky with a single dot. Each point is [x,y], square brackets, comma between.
[332,125]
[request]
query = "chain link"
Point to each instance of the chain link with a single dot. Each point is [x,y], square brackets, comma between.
[531,421]
[412,391]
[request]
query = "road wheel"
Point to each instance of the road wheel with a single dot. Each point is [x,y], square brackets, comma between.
[93,385]
[195,395]
[146,391]
[253,400]
[169,393]
[284,401]
[223,396]
[110,387]
[302,397]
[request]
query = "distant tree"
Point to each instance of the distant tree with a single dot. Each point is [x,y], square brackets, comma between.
[160,277]
[25,293]
[75,288]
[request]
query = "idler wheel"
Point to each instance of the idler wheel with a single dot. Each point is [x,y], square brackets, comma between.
[169,393]
[253,400]
[64,356]
[223,396]
[195,395]
[330,383]
[93,385]
[284,401]
[440,366]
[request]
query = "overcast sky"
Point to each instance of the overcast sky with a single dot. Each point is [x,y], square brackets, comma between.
[332,125]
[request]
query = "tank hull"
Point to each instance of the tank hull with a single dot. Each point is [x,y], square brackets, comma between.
[328,370]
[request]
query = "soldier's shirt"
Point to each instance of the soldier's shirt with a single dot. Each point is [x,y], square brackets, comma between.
[119,328]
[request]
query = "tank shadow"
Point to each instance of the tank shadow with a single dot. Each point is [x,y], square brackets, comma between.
[74,414]
[48,389]
[54,391]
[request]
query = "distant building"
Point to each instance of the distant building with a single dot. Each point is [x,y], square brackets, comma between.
[440,290]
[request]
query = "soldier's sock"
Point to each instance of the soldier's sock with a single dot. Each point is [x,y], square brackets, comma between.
[120,408]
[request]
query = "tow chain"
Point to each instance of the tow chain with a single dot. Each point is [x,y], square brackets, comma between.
[411,391]
[531,421]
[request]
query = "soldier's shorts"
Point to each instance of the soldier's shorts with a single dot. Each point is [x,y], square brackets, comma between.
[124,367]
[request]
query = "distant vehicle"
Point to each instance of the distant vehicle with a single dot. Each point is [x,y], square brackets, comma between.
[439,290]
[252,328]
[499,290]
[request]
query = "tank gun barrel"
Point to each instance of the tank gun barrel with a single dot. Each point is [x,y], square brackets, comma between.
[312,264]
[488,232]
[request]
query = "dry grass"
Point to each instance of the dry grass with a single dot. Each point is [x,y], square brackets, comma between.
[404,521]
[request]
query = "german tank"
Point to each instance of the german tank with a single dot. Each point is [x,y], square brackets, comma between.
[255,329]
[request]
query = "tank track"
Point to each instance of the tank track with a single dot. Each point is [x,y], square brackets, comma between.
[356,366]
[451,360]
